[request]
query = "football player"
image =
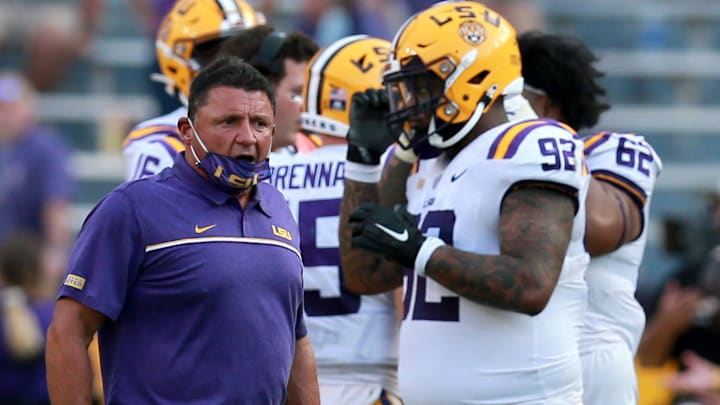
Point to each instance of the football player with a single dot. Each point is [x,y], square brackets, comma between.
[354,337]
[561,83]
[493,231]
[188,38]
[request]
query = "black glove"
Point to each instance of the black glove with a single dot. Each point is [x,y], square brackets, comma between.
[390,232]
[368,137]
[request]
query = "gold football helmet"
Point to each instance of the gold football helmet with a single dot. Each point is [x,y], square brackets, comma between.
[349,65]
[449,64]
[189,35]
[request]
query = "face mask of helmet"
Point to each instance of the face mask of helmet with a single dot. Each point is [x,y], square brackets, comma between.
[415,93]
[232,176]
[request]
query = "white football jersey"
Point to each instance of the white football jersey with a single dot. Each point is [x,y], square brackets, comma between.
[354,337]
[614,315]
[152,145]
[454,350]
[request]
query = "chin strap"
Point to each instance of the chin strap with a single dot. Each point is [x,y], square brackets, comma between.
[516,105]
[437,140]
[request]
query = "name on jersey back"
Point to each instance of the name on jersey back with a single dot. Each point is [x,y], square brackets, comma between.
[308,175]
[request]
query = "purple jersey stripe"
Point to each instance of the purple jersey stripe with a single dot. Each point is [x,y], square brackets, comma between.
[593,141]
[515,143]
[636,193]
[170,144]
[499,146]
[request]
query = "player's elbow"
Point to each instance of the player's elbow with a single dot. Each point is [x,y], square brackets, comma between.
[366,274]
[601,234]
[356,287]
[353,282]
[360,287]
[535,297]
[536,303]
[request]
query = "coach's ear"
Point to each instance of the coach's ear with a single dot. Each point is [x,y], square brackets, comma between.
[186,130]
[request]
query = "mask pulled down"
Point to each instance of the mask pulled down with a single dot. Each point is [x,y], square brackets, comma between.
[232,176]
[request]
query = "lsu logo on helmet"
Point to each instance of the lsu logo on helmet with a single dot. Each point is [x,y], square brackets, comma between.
[472,32]
[448,65]
[350,65]
[190,25]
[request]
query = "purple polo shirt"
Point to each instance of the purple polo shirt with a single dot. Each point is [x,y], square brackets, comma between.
[33,170]
[204,299]
[25,381]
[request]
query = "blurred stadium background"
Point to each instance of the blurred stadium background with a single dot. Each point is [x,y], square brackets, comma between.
[661,59]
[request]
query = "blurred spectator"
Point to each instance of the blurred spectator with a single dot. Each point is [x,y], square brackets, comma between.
[150,13]
[329,20]
[24,319]
[689,242]
[674,316]
[35,180]
[686,320]
[524,15]
[701,379]
[701,235]
[50,35]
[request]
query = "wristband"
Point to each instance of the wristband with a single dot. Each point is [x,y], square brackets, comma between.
[406,155]
[363,173]
[363,155]
[426,250]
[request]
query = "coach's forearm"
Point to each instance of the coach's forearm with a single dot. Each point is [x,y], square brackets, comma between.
[69,375]
[303,385]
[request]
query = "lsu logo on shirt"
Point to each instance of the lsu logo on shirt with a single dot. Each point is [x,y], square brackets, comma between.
[281,232]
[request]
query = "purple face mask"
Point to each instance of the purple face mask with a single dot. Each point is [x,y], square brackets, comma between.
[232,176]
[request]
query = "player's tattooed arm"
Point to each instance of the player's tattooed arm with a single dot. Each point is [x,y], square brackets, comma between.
[535,228]
[393,183]
[363,272]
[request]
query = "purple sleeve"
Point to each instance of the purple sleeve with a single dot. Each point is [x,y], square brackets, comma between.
[106,258]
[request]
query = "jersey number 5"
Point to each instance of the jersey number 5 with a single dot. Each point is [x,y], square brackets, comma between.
[317,304]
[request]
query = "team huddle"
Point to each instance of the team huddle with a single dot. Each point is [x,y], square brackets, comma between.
[373,222]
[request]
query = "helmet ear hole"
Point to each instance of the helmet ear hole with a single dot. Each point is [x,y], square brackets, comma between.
[478,78]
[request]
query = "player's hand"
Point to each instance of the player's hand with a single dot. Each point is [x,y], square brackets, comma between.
[368,137]
[390,232]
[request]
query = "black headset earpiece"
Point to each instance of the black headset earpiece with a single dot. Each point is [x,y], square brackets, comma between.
[265,59]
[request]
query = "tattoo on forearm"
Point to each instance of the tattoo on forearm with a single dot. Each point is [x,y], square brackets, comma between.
[363,270]
[535,228]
